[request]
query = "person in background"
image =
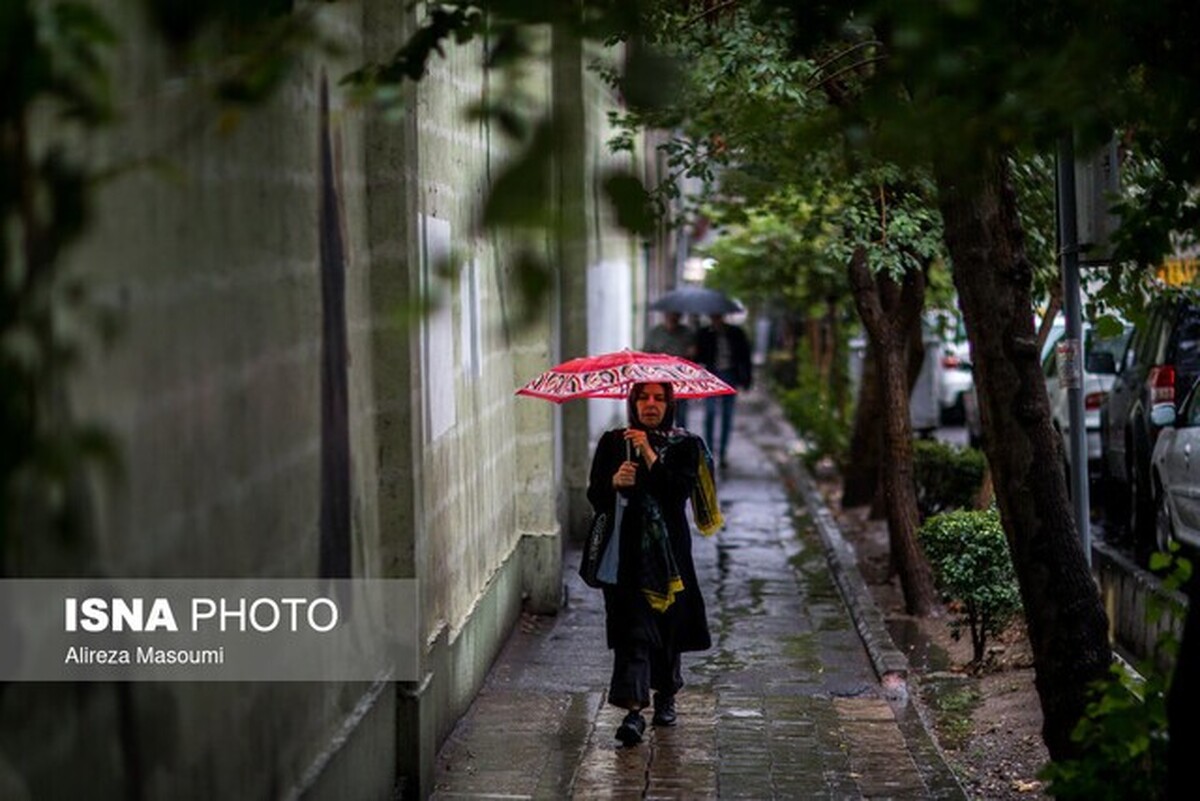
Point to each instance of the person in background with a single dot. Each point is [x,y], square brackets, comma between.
[673,336]
[724,350]
[655,611]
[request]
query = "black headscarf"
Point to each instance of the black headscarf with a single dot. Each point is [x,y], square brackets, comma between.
[668,420]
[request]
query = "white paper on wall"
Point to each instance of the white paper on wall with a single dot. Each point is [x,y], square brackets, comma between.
[438,333]
[469,319]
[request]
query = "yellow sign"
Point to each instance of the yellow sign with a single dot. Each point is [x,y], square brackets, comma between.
[1179,272]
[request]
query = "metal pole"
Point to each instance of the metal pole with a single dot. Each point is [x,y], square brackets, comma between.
[1070,355]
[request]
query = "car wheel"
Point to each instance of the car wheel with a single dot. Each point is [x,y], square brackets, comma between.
[1164,534]
[1116,506]
[955,414]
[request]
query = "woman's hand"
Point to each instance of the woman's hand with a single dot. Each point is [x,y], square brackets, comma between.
[641,443]
[625,476]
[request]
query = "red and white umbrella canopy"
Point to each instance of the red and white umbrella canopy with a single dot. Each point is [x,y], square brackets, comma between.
[610,375]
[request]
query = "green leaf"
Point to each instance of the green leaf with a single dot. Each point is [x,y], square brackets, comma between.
[520,196]
[631,203]
[1160,561]
[651,79]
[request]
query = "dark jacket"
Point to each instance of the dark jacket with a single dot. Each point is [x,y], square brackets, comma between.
[629,618]
[739,345]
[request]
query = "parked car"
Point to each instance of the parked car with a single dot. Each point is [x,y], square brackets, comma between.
[954,378]
[1160,363]
[972,418]
[1100,356]
[1175,476]
[971,413]
[957,381]
[924,405]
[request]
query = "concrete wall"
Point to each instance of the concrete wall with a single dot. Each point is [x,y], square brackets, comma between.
[240,394]
[1140,611]
[277,414]
[616,276]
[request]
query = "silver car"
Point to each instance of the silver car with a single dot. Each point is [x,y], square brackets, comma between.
[1175,470]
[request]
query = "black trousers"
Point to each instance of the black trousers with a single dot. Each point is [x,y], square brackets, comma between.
[639,668]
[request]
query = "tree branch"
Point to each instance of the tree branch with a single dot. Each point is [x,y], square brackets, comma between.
[843,53]
[848,68]
[882,215]
[707,12]
[912,299]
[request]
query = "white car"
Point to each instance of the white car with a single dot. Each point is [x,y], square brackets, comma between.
[1175,471]
[1100,356]
[1099,371]
[956,381]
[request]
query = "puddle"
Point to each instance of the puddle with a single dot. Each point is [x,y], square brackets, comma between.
[742,713]
[923,654]
[757,586]
[718,662]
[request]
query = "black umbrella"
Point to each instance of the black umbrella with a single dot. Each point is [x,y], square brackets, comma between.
[696,300]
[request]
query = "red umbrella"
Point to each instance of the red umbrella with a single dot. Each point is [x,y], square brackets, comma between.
[610,375]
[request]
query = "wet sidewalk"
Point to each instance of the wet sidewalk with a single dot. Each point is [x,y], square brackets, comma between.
[788,704]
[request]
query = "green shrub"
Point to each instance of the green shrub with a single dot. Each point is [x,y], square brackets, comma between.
[971,565]
[947,477]
[810,408]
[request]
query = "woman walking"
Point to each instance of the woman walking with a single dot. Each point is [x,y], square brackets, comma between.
[655,611]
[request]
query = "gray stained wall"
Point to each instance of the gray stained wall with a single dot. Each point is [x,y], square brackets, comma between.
[278,415]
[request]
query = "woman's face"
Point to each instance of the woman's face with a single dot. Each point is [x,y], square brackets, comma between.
[651,404]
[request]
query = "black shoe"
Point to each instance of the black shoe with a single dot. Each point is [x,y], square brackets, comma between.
[631,729]
[664,710]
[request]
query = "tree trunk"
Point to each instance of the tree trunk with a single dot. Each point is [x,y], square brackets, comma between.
[860,478]
[1066,621]
[887,310]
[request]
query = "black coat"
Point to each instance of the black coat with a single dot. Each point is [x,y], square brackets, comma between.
[739,347]
[628,616]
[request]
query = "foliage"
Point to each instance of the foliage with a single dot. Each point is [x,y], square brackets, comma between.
[1124,734]
[971,565]
[811,407]
[778,251]
[947,477]
[736,106]
[53,60]
[1034,181]
[746,91]
[953,80]
[1123,742]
